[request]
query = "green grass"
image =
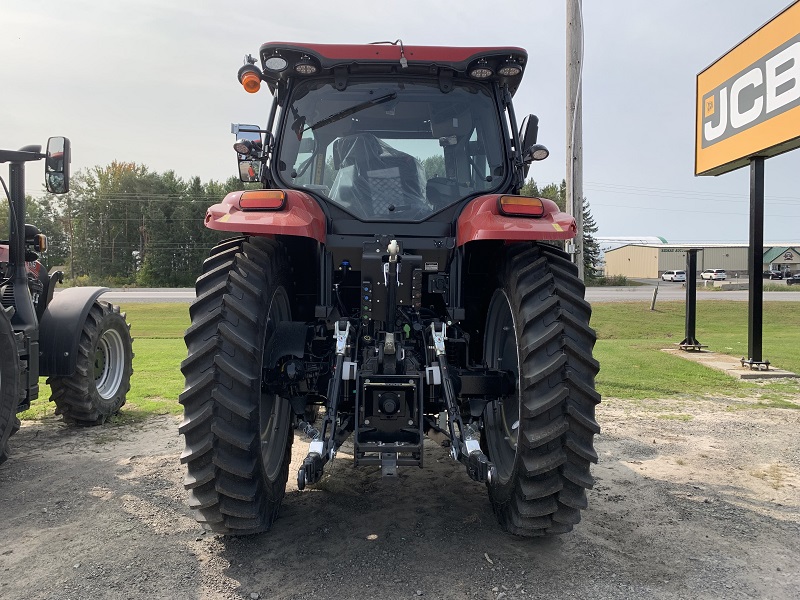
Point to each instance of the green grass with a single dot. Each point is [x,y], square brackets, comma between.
[631,336]
[630,339]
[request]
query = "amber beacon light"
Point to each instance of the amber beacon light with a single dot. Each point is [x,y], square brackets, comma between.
[250,78]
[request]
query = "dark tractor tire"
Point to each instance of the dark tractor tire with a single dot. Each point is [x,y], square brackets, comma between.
[102,378]
[541,438]
[11,371]
[238,437]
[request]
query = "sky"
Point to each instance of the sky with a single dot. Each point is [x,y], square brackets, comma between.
[154,82]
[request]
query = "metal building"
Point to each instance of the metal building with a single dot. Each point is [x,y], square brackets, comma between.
[649,261]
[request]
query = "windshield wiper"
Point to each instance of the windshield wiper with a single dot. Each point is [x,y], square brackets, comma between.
[351,111]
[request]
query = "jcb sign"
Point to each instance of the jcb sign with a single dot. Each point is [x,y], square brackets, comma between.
[748,102]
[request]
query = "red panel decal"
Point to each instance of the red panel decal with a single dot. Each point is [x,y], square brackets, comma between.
[301,216]
[481,220]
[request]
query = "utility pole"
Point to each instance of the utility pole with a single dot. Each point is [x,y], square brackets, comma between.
[574,124]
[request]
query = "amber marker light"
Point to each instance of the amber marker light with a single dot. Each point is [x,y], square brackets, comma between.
[250,78]
[521,206]
[262,200]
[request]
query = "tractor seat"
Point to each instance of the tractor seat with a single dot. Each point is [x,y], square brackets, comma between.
[376,180]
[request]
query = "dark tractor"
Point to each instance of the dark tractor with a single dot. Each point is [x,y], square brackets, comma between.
[80,343]
[388,276]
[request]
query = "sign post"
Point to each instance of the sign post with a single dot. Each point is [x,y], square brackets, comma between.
[748,109]
[755,309]
[690,341]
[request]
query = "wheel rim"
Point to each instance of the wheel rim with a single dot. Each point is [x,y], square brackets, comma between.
[502,416]
[109,363]
[274,411]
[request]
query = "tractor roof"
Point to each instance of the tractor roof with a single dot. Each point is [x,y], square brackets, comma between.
[504,64]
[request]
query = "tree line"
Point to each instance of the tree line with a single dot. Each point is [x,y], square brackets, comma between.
[123,224]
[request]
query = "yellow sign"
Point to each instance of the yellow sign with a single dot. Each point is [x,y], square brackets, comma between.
[748,101]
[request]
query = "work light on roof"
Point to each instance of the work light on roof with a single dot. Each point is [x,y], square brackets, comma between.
[305,66]
[276,63]
[510,69]
[481,70]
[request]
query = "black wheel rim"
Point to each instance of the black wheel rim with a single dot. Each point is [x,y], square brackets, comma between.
[502,416]
[274,411]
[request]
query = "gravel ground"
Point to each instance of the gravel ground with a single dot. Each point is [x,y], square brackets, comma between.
[693,500]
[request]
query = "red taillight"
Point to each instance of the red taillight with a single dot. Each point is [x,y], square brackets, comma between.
[521,206]
[262,200]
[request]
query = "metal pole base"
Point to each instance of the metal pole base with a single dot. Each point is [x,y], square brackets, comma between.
[759,365]
[691,344]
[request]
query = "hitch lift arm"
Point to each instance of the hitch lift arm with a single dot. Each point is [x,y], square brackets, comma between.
[323,447]
[465,445]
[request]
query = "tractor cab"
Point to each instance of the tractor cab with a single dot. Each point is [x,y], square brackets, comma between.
[386,132]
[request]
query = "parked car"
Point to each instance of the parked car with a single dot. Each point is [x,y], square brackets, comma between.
[773,275]
[794,279]
[674,276]
[714,274]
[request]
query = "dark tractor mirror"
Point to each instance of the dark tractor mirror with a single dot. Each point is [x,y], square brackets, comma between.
[531,151]
[56,165]
[528,133]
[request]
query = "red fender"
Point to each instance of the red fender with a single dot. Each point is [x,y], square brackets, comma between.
[482,220]
[300,216]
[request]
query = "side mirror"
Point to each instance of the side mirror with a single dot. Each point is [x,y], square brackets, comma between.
[56,165]
[248,148]
[249,170]
[528,133]
[531,151]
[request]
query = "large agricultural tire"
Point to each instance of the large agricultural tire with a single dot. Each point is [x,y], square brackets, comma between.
[238,437]
[11,372]
[102,378]
[541,438]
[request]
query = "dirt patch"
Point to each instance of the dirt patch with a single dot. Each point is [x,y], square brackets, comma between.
[693,500]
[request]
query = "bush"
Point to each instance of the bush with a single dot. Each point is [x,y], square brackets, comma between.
[613,281]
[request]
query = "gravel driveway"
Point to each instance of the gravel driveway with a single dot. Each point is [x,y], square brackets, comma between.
[693,500]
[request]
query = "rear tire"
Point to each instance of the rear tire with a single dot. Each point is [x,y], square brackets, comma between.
[238,438]
[10,383]
[102,378]
[541,438]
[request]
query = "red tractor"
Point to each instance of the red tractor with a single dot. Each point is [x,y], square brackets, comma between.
[82,344]
[388,272]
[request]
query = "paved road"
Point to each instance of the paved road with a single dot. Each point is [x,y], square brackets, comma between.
[666,292]
[676,291]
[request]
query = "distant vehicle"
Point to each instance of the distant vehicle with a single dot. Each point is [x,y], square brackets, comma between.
[714,274]
[773,275]
[674,276]
[794,279]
